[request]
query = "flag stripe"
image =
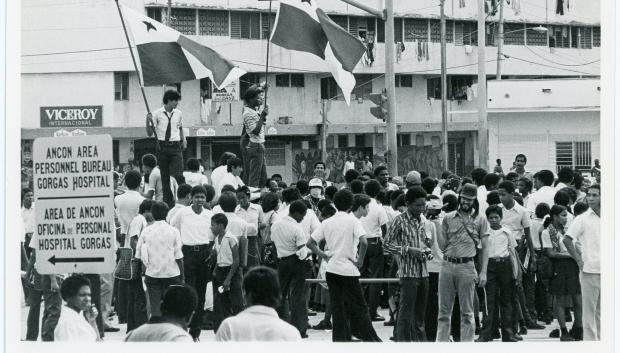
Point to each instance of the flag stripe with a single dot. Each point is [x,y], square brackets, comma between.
[164,63]
[296,30]
[219,66]
[346,48]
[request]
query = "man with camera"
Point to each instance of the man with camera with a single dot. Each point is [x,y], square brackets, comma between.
[409,238]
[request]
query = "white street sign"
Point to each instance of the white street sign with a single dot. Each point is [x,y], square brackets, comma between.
[74,204]
[229,93]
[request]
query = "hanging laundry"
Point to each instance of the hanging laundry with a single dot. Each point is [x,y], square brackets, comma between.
[516,6]
[470,94]
[400,47]
[474,88]
[559,9]
[426,50]
[564,31]
[420,51]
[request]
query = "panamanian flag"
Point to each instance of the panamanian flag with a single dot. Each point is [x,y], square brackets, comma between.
[167,56]
[302,26]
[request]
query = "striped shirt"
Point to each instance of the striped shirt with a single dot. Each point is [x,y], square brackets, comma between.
[407,231]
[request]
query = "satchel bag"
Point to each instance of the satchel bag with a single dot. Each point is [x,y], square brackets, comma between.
[127,267]
[544,265]
[477,258]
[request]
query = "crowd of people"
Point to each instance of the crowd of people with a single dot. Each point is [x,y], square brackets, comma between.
[487,255]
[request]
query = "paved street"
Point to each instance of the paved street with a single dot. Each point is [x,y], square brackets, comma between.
[384,332]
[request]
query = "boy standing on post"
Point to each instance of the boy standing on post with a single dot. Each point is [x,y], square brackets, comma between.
[167,124]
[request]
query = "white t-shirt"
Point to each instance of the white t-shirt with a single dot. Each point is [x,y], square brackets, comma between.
[194,179]
[546,242]
[536,229]
[376,218]
[341,231]
[500,240]
[544,194]
[127,206]
[257,323]
[217,175]
[157,186]
[28,218]
[173,211]
[287,235]
[586,231]
[73,327]
[158,332]
[159,246]
[195,228]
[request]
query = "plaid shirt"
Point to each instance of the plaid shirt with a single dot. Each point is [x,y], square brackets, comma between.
[407,231]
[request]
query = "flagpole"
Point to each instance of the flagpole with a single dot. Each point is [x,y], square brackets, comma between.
[268,45]
[135,65]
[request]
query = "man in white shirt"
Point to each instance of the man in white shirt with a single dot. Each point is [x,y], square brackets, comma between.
[184,198]
[519,167]
[155,187]
[28,218]
[219,172]
[194,224]
[585,231]
[289,238]
[543,181]
[236,225]
[375,225]
[382,176]
[260,321]
[341,232]
[232,176]
[253,215]
[167,125]
[477,175]
[565,178]
[348,165]
[159,249]
[194,177]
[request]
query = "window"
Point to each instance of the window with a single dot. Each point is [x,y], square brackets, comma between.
[342,21]
[297,80]
[244,25]
[121,86]
[404,139]
[246,81]
[535,37]
[573,154]
[330,89]
[275,154]
[213,23]
[436,31]
[581,37]
[267,24]
[206,88]
[359,25]
[343,141]
[404,80]
[559,37]
[290,80]
[465,33]
[360,140]
[183,20]
[416,29]
[457,87]
[282,80]
[514,34]
[596,34]
[398,30]
[154,13]
[363,86]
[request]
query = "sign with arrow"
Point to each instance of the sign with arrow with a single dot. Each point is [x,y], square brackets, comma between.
[74,205]
[229,93]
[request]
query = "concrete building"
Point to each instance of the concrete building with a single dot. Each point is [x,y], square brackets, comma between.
[84,62]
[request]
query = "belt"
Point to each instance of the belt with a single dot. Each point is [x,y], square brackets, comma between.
[374,240]
[499,259]
[198,247]
[458,260]
[169,143]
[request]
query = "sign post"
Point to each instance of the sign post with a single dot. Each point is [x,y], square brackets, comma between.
[74,213]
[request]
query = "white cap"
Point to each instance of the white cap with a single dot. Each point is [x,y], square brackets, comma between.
[316,182]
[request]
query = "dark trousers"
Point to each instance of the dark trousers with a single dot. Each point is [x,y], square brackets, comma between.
[197,276]
[529,291]
[348,305]
[170,159]
[156,287]
[292,276]
[136,303]
[51,312]
[499,293]
[230,302]
[412,310]
[122,300]
[253,252]
[257,171]
[432,307]
[544,300]
[373,268]
[95,298]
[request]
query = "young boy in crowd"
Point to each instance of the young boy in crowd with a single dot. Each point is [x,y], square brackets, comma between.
[501,272]
[184,199]
[544,304]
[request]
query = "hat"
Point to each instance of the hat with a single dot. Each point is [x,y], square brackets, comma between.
[414,177]
[469,191]
[434,204]
[252,92]
[315,183]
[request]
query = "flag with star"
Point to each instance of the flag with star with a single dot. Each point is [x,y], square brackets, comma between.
[302,26]
[167,56]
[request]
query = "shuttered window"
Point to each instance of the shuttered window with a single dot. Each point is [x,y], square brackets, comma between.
[573,154]
[416,29]
[213,23]
[514,34]
[534,37]
[465,33]
[244,25]
[559,37]
[183,20]
[596,37]
[154,13]
[581,37]
[436,31]
[267,24]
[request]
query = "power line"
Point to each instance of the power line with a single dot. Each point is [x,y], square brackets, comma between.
[553,67]
[570,14]
[74,52]
[556,63]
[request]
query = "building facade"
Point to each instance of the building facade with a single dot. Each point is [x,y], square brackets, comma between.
[69,69]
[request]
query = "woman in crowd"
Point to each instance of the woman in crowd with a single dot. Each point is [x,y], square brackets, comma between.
[77,317]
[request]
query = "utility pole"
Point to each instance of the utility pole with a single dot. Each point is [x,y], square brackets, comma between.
[390,86]
[324,130]
[500,40]
[444,89]
[483,145]
[169,13]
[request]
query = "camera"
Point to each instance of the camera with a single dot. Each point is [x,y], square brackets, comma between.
[428,254]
